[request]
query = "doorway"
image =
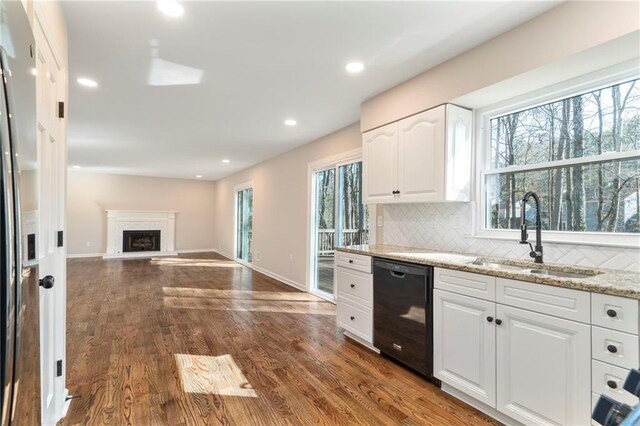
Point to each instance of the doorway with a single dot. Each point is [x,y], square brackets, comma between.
[244,223]
[339,218]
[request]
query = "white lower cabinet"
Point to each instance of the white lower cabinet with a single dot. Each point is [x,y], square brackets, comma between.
[543,366]
[529,366]
[465,340]
[354,305]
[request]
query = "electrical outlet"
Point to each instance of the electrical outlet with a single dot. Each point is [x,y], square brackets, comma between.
[380,221]
[258,255]
[88,243]
[291,257]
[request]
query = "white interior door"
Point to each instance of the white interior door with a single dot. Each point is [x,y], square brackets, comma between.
[51,193]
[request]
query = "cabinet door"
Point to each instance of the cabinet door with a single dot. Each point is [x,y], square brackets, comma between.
[464,344]
[380,157]
[543,368]
[421,156]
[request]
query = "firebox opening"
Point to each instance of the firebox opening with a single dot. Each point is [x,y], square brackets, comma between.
[133,241]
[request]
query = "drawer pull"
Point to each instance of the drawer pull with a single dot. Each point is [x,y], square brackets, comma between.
[353,285]
[612,349]
[350,260]
[397,347]
[612,384]
[612,313]
[490,319]
[352,318]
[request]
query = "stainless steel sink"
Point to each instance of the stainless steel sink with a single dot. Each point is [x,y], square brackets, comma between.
[548,272]
[561,274]
[495,265]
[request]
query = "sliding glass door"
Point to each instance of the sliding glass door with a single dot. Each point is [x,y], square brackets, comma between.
[339,218]
[244,224]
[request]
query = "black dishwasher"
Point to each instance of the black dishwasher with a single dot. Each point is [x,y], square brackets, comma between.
[402,313]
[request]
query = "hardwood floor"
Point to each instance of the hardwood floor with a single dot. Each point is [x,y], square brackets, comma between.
[199,339]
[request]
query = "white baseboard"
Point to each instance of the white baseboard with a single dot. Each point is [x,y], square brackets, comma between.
[82,255]
[266,272]
[195,251]
[140,255]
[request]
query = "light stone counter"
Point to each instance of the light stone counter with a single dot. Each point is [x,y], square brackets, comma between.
[606,281]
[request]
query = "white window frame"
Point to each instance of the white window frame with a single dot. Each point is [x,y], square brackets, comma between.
[601,79]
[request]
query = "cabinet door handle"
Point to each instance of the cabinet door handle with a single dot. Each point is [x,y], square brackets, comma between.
[612,313]
[490,319]
[353,285]
[612,384]
[498,321]
[352,318]
[612,349]
[397,347]
[350,261]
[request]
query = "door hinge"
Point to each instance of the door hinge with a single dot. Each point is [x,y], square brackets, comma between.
[60,109]
[60,238]
[59,368]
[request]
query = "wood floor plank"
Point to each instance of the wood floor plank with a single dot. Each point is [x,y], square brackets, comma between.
[201,340]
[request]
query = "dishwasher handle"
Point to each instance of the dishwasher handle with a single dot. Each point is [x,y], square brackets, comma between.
[401,268]
[397,274]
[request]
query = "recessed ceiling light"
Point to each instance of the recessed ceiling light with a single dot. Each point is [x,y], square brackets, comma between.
[354,67]
[290,122]
[199,176]
[76,166]
[87,82]
[171,8]
[226,160]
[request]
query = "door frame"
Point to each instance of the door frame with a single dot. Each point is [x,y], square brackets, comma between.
[313,167]
[237,189]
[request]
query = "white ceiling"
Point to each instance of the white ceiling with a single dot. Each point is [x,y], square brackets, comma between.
[255,64]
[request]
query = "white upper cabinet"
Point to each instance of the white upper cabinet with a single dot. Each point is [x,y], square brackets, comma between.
[421,152]
[380,159]
[423,158]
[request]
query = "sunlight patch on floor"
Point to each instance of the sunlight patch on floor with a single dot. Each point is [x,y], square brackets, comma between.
[245,305]
[205,263]
[219,375]
[292,296]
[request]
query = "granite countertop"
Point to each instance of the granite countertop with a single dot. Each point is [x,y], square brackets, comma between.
[606,281]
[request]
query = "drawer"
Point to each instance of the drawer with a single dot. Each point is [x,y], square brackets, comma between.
[618,313]
[608,379]
[356,319]
[358,262]
[614,347]
[560,302]
[465,283]
[355,285]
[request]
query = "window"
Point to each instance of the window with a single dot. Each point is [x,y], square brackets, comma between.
[581,154]
[244,223]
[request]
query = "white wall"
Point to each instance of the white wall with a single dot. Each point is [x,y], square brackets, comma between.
[90,194]
[566,30]
[280,205]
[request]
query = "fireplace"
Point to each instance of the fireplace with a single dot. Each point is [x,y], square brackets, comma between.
[133,241]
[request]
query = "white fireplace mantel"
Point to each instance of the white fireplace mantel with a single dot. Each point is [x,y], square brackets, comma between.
[137,220]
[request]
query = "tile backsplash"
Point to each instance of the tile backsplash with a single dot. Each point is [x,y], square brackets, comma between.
[448,226]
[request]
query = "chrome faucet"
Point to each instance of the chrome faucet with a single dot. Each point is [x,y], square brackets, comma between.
[537,252]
